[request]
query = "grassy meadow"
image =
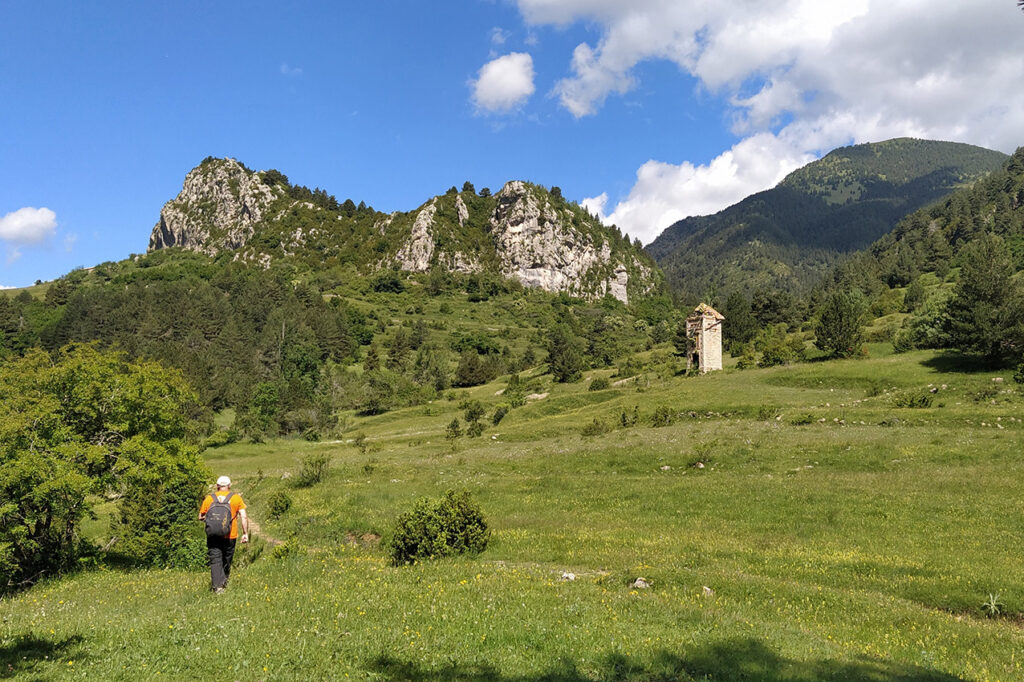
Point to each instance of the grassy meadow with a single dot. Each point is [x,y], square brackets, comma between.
[793,523]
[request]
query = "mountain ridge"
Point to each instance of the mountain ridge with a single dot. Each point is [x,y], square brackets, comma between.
[524,232]
[790,236]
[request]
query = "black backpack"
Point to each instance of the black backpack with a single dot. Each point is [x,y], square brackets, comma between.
[218,517]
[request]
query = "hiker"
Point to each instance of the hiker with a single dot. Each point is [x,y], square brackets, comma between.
[221,510]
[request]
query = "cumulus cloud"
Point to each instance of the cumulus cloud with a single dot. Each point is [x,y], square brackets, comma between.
[290,71]
[28,226]
[503,84]
[801,77]
[665,192]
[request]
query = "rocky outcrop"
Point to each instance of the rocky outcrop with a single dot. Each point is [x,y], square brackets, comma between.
[523,232]
[416,253]
[538,245]
[217,209]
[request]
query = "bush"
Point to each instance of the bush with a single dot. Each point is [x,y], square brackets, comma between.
[475,429]
[801,419]
[916,399]
[220,438]
[599,384]
[279,503]
[314,469]
[499,413]
[768,412]
[663,416]
[628,419]
[453,524]
[595,428]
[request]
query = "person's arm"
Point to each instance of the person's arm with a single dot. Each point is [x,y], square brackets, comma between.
[244,518]
[203,509]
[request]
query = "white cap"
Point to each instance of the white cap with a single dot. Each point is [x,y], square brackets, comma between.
[224,482]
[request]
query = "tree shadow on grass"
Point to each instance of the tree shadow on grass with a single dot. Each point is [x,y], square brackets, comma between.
[737,659]
[27,651]
[958,363]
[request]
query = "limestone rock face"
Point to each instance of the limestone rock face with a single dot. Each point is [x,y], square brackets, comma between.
[415,254]
[538,245]
[217,209]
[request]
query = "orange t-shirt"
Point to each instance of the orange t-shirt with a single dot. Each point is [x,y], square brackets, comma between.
[236,506]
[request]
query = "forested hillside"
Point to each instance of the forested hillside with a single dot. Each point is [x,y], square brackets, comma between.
[789,237]
[950,272]
[289,347]
[523,231]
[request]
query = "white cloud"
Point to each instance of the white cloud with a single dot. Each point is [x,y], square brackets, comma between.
[504,84]
[499,36]
[665,193]
[801,77]
[69,242]
[28,225]
[290,71]
[6,287]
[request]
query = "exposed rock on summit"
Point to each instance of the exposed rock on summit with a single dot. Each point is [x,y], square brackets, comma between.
[523,232]
[217,209]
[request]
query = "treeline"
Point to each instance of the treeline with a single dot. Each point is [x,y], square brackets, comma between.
[792,236]
[289,352]
[947,277]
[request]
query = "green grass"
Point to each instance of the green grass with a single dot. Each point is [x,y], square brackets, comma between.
[858,546]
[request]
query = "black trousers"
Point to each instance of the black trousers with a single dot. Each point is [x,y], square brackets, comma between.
[219,553]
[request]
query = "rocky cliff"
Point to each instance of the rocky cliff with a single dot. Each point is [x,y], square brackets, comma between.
[522,232]
[218,209]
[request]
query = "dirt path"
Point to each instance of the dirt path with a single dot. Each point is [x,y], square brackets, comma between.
[256,530]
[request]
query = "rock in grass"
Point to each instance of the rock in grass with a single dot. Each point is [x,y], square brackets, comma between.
[567,576]
[640,584]
[707,591]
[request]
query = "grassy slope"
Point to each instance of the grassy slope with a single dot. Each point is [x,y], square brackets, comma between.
[833,550]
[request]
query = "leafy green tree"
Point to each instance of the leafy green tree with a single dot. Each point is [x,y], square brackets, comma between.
[839,330]
[83,427]
[467,186]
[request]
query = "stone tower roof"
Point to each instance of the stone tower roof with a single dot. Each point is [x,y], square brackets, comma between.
[704,310]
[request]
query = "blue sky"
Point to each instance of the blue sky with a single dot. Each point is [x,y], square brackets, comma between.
[648,111]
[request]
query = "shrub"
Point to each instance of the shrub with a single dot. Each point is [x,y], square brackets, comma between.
[454,430]
[599,384]
[768,412]
[220,438]
[279,503]
[663,416]
[474,410]
[499,413]
[595,428]
[475,429]
[984,394]
[875,388]
[801,419]
[628,419]
[915,399]
[314,469]
[1018,376]
[453,524]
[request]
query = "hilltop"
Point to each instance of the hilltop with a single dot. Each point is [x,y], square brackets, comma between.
[790,236]
[523,232]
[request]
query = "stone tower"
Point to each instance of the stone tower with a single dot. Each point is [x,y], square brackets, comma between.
[704,328]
